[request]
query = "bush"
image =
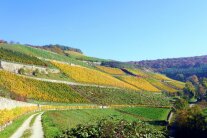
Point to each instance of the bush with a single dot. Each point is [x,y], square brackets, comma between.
[113,129]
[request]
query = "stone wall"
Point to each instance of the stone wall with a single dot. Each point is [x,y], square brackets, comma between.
[15,67]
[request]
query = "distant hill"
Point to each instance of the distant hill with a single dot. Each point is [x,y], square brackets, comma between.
[177,68]
[60,49]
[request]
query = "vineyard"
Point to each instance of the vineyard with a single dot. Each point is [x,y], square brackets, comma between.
[112,71]
[110,96]
[161,85]
[86,75]
[140,83]
[24,88]
[137,72]
[9,55]
[9,115]
[177,84]
[40,53]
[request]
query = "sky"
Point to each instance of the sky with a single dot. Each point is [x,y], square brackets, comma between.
[125,30]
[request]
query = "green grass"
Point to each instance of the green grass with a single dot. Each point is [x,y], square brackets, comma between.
[56,121]
[33,120]
[27,133]
[9,130]
[109,96]
[148,112]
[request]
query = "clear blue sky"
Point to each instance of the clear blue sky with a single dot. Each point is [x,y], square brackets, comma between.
[113,29]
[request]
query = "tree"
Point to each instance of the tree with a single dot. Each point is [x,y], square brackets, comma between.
[201,91]
[190,123]
[204,82]
[180,104]
[189,90]
[194,79]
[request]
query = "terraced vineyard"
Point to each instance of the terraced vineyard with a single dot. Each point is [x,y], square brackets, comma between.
[109,96]
[137,72]
[40,53]
[9,55]
[25,88]
[9,115]
[140,83]
[161,85]
[112,71]
[90,76]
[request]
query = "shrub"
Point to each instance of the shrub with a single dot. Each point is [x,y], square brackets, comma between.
[113,129]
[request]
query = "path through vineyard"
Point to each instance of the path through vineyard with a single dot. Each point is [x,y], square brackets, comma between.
[66,82]
[36,128]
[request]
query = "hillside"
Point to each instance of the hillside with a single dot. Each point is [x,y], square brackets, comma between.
[58,78]
[177,68]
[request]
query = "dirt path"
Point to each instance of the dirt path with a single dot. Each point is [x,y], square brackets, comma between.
[67,82]
[22,128]
[36,129]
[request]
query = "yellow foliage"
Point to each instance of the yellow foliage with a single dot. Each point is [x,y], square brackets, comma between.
[9,115]
[159,76]
[177,84]
[161,85]
[38,90]
[137,72]
[113,71]
[139,82]
[91,76]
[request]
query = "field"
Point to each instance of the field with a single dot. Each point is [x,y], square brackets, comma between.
[148,113]
[91,76]
[110,96]
[23,88]
[140,83]
[56,121]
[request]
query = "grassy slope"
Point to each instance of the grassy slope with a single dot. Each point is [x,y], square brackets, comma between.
[149,113]
[55,121]
[110,96]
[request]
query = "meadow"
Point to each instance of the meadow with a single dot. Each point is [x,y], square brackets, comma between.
[56,121]
[148,113]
